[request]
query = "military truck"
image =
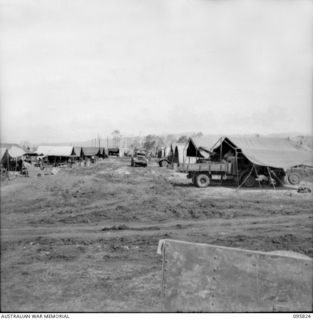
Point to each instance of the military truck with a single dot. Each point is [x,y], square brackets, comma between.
[139,159]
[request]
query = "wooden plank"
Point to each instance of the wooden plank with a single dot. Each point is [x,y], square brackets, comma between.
[207,278]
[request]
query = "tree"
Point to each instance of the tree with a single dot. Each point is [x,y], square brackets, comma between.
[170,138]
[152,143]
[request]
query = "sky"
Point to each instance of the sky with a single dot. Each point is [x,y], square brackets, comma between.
[75,69]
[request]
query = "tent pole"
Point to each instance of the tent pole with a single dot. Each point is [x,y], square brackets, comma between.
[257,175]
[272,182]
[216,143]
[236,161]
[246,178]
[221,151]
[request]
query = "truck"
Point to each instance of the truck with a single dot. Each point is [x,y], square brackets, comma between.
[239,171]
[139,159]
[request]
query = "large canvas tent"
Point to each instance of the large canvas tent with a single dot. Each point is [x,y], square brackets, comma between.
[263,151]
[58,151]
[266,159]
[91,151]
[56,154]
[12,158]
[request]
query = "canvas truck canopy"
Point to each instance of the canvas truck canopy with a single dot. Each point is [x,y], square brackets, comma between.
[271,152]
[57,151]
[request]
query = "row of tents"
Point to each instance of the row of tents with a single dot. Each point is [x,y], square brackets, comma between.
[12,155]
[261,151]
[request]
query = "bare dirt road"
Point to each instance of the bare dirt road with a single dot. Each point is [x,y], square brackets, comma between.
[85,239]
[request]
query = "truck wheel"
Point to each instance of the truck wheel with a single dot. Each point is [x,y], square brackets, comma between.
[293,178]
[202,180]
[249,180]
[163,163]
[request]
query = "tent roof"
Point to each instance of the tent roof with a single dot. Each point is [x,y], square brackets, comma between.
[3,152]
[204,142]
[61,151]
[91,151]
[272,152]
[15,151]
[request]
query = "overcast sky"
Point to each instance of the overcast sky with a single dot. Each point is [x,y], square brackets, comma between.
[72,69]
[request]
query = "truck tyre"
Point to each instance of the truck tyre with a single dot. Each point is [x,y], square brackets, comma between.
[294,178]
[249,179]
[163,163]
[202,180]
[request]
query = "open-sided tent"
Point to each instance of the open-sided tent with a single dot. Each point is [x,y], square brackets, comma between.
[263,151]
[56,154]
[269,157]
[114,152]
[58,151]
[13,160]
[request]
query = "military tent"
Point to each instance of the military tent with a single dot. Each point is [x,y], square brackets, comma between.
[264,151]
[91,151]
[57,151]
[14,150]
[102,153]
[56,154]
[180,154]
[5,157]
[79,153]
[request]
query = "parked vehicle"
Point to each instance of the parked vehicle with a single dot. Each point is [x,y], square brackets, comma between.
[139,159]
[296,173]
[164,162]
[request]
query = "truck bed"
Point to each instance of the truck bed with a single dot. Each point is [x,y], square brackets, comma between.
[209,167]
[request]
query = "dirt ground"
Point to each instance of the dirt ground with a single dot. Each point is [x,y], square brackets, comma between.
[85,239]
